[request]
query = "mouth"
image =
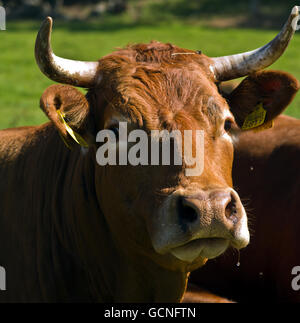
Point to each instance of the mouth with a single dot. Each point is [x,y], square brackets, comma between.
[205,248]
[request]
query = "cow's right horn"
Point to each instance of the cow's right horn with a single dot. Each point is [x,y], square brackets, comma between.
[62,70]
[238,65]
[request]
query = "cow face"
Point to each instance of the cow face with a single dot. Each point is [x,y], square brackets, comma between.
[158,211]
[179,218]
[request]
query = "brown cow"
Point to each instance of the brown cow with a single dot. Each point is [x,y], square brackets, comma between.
[266,174]
[73,230]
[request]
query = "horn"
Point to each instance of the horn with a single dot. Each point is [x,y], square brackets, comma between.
[230,67]
[62,70]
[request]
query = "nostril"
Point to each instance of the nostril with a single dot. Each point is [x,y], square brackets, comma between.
[186,212]
[231,211]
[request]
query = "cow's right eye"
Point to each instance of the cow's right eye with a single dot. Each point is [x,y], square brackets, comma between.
[228,125]
[115,130]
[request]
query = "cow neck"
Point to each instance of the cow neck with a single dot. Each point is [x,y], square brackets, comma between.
[87,236]
[111,275]
[142,280]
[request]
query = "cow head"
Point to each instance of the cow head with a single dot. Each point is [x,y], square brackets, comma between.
[157,211]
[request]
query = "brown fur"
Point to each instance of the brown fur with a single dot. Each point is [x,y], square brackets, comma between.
[72,230]
[266,175]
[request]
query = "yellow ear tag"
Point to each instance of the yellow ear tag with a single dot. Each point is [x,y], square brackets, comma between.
[265,126]
[256,118]
[64,140]
[76,136]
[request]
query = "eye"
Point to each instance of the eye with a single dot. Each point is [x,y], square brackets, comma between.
[115,130]
[228,125]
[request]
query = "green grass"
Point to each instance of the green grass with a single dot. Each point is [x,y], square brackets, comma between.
[21,82]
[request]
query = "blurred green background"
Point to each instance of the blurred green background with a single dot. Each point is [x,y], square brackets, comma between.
[87,30]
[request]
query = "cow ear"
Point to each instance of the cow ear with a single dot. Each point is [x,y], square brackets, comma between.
[68,109]
[261,97]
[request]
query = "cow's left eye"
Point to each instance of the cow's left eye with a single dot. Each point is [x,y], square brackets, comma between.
[227,125]
[115,130]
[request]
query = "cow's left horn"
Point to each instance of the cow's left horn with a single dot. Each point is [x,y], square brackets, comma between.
[233,66]
[77,73]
